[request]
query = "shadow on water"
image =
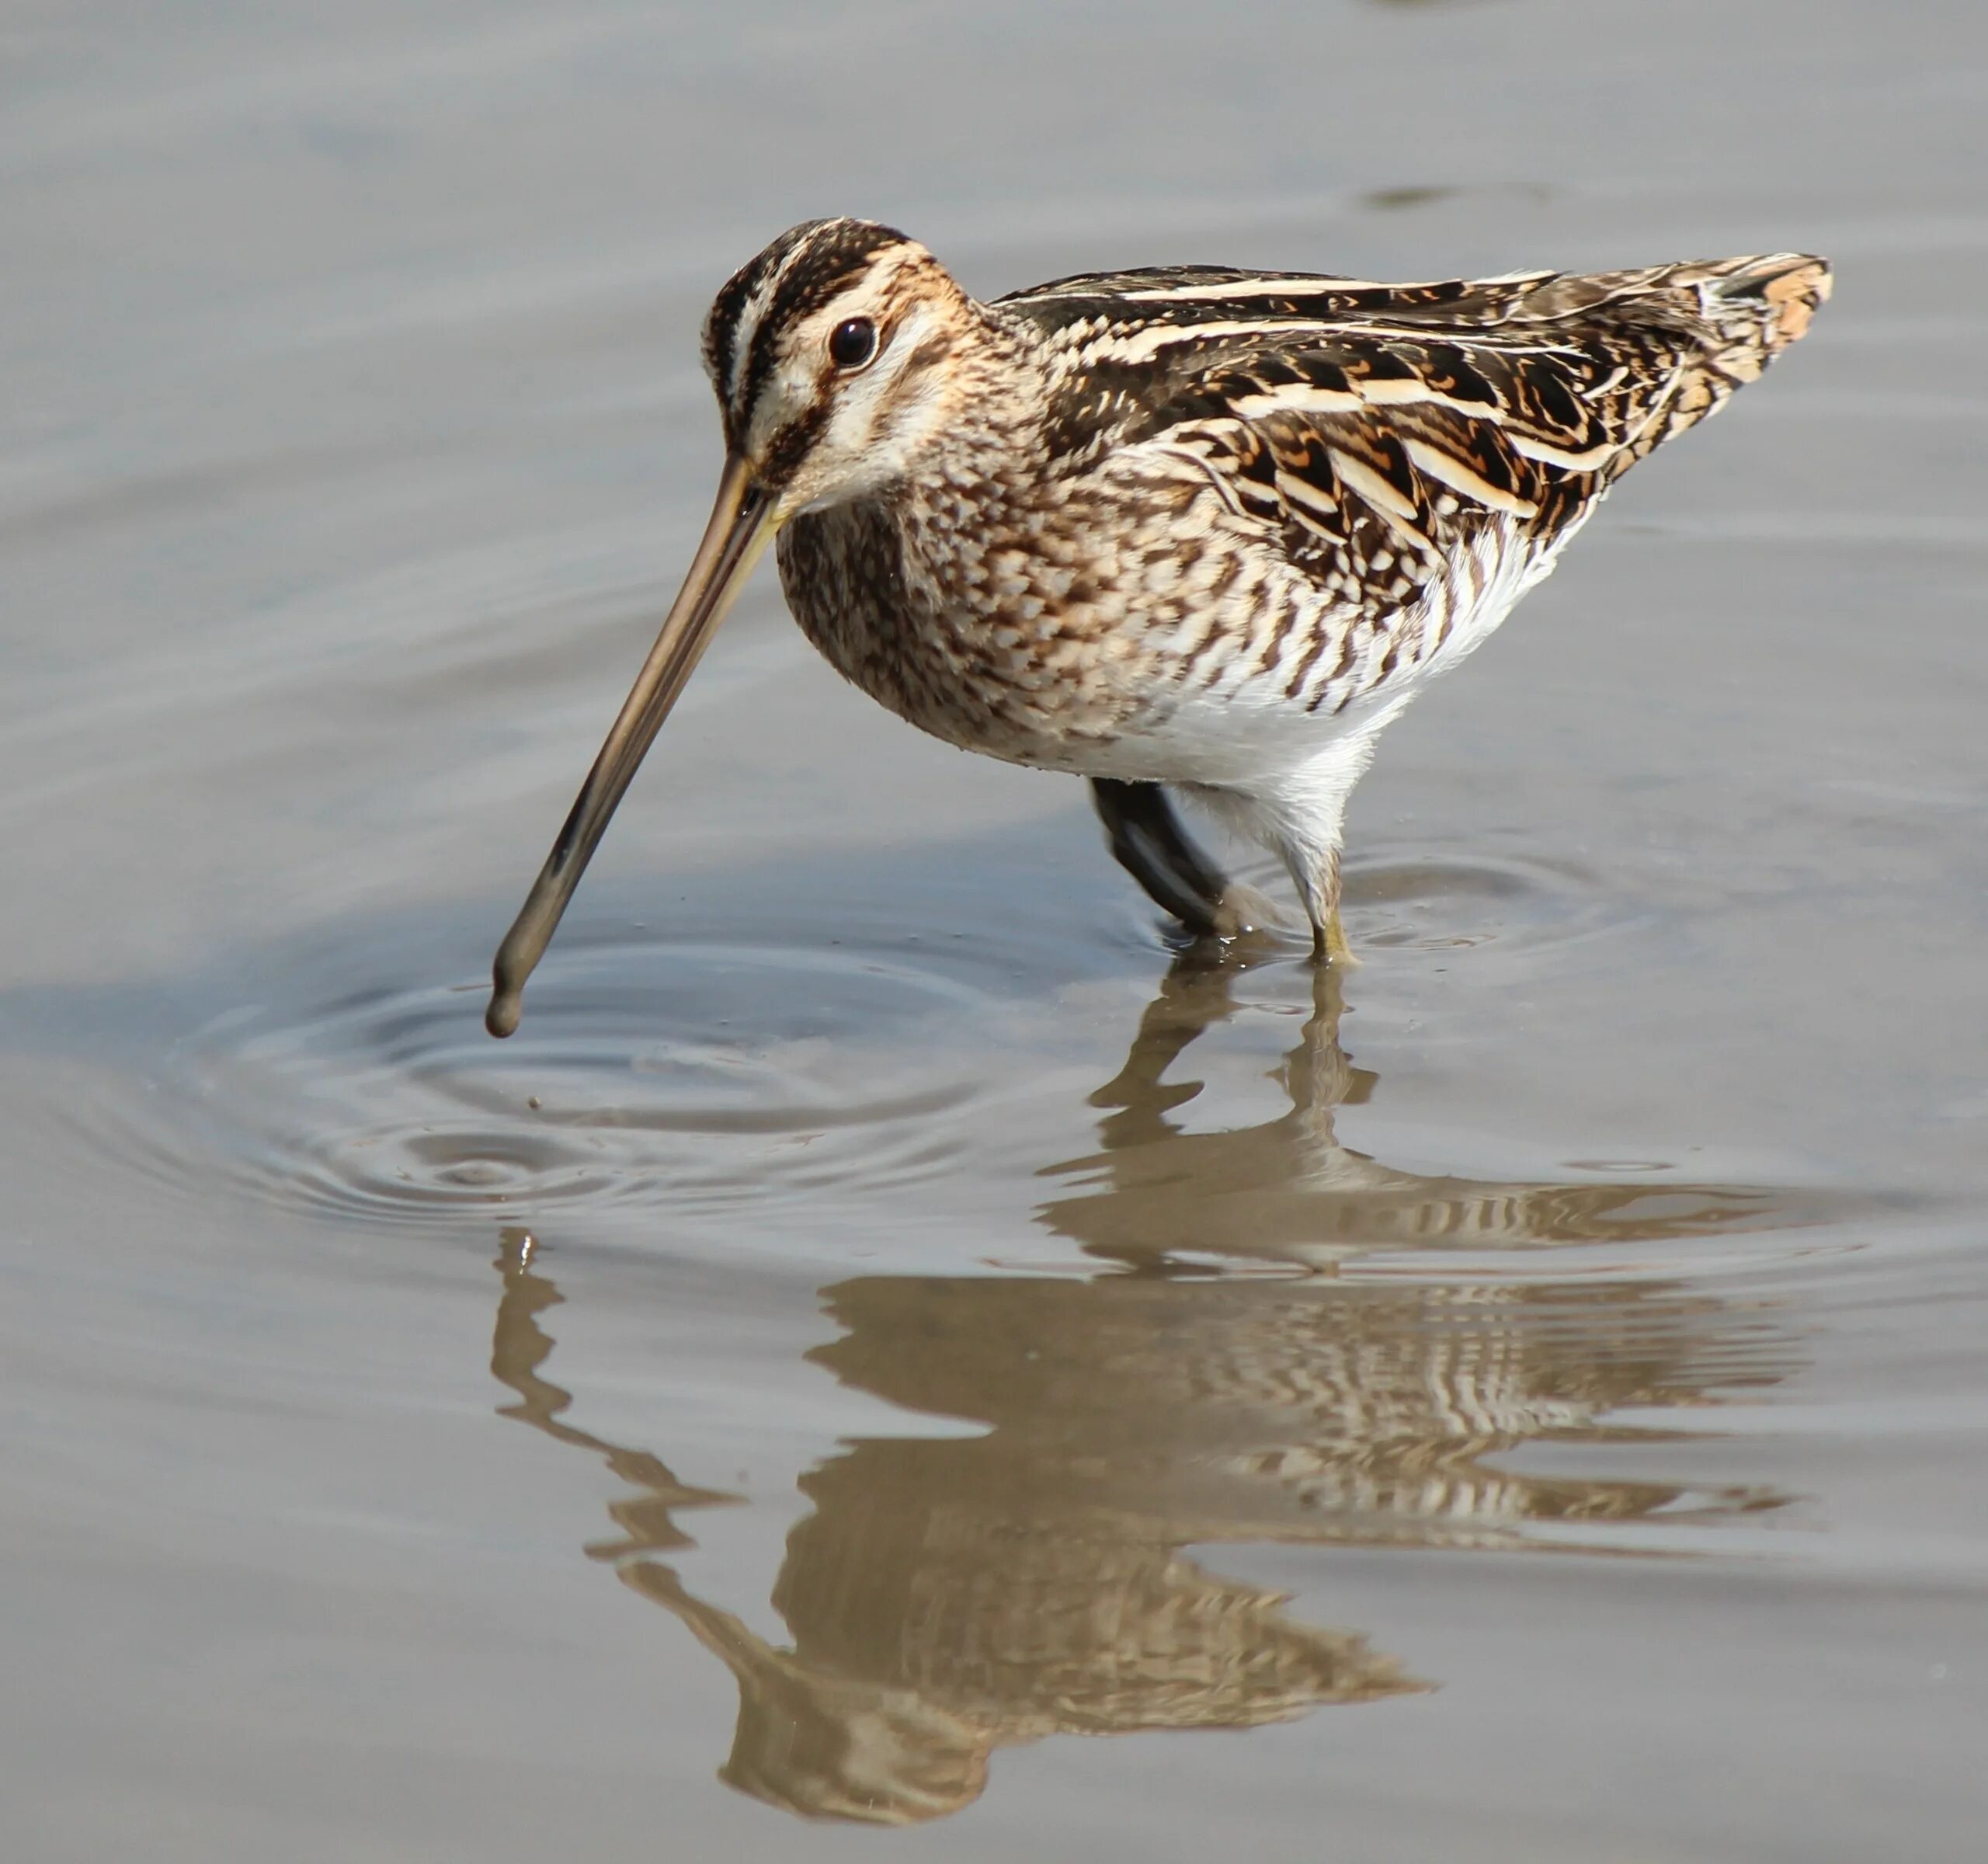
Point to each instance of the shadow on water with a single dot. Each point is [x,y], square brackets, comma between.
[948,1597]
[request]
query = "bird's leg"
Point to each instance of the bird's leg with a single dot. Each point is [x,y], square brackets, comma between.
[1150,844]
[1316,874]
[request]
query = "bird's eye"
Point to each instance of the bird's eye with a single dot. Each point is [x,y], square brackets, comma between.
[852,343]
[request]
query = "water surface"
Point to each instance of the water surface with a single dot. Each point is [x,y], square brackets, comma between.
[1533,1385]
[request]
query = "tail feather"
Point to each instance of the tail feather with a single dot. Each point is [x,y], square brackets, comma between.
[1722,322]
[1774,297]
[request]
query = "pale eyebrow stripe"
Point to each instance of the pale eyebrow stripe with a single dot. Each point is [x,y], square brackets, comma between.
[754,314]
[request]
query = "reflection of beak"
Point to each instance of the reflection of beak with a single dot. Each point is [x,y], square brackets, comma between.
[742,522]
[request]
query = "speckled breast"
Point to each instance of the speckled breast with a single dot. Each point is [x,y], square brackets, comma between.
[887,625]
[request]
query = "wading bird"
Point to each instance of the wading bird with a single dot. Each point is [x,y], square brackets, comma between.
[1191,527]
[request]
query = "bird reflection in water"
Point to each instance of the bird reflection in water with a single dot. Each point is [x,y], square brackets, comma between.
[946,1597]
[1156,1199]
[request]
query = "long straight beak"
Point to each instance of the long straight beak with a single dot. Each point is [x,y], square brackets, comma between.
[741,523]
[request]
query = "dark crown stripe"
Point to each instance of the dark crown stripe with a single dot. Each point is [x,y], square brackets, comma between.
[721,326]
[812,264]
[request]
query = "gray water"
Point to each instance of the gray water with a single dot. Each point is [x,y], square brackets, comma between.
[1535,1388]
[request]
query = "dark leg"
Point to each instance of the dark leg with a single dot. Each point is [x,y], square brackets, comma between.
[1150,845]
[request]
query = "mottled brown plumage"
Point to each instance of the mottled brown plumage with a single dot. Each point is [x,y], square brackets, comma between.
[1195,526]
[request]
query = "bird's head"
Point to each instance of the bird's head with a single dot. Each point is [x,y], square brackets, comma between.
[829,354]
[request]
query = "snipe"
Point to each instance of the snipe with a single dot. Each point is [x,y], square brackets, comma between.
[1192,527]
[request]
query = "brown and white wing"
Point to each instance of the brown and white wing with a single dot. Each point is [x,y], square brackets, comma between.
[1402,530]
[1584,372]
[1422,467]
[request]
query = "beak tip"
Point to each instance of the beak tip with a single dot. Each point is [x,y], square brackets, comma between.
[502,1018]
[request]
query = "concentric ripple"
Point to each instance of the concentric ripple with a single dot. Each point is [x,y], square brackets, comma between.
[700,1073]
[1423,903]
